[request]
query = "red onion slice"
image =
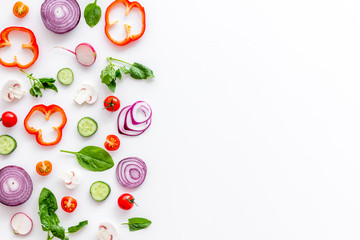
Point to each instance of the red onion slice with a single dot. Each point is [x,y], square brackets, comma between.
[128,120]
[15,186]
[131,172]
[145,108]
[60,16]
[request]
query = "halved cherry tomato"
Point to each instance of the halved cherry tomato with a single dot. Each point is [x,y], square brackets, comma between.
[68,204]
[126,201]
[44,168]
[112,103]
[112,143]
[8,119]
[20,9]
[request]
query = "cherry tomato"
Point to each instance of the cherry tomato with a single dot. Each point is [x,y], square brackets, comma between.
[20,9]
[112,103]
[68,204]
[8,119]
[44,168]
[126,201]
[112,143]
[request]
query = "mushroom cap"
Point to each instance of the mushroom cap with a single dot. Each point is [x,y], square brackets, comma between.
[5,90]
[109,228]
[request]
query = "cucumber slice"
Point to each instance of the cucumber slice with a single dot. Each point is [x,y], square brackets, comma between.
[99,191]
[65,76]
[87,126]
[7,144]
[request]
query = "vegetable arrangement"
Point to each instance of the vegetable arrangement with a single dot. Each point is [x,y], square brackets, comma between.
[16,185]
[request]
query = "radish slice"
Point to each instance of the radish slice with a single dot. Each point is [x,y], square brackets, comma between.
[21,223]
[12,89]
[71,178]
[107,231]
[84,52]
[87,93]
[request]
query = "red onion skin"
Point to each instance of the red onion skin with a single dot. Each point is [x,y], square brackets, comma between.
[130,166]
[64,24]
[19,195]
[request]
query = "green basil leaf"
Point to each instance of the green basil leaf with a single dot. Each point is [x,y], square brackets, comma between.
[37,91]
[48,199]
[77,227]
[92,14]
[45,80]
[108,74]
[112,85]
[118,74]
[58,231]
[139,71]
[32,92]
[124,69]
[48,85]
[93,158]
[136,224]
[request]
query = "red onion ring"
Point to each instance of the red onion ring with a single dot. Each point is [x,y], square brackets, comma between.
[128,122]
[131,172]
[15,186]
[60,16]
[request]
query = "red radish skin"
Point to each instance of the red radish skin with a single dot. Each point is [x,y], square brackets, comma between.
[21,223]
[85,53]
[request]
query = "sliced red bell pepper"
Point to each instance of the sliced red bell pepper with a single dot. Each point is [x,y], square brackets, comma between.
[32,45]
[129,38]
[48,111]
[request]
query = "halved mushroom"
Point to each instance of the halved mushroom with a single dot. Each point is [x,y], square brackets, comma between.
[87,93]
[12,89]
[107,231]
[71,178]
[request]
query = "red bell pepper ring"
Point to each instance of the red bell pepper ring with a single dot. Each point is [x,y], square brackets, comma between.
[128,6]
[32,45]
[48,111]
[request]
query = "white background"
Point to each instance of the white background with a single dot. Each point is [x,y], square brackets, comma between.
[256,123]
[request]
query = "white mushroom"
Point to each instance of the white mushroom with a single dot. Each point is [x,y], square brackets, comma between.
[71,178]
[87,93]
[107,231]
[12,89]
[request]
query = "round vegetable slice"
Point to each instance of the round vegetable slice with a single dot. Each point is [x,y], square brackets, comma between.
[60,16]
[7,144]
[129,121]
[20,9]
[65,76]
[68,204]
[112,143]
[87,126]
[44,168]
[21,223]
[131,172]
[16,186]
[99,191]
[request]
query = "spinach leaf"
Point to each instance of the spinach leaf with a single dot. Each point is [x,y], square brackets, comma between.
[77,227]
[92,14]
[93,158]
[47,201]
[139,71]
[136,224]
